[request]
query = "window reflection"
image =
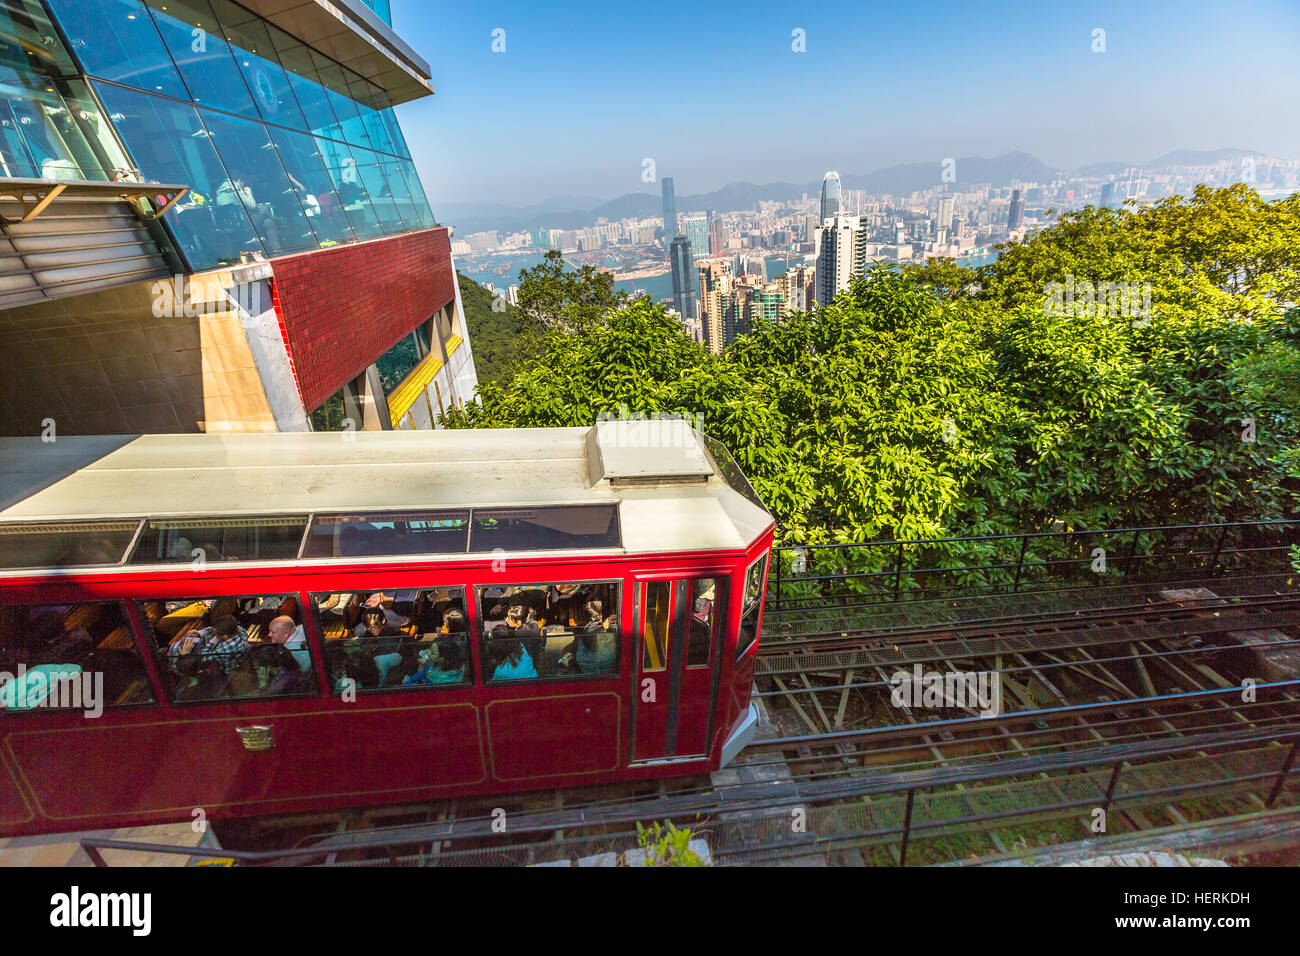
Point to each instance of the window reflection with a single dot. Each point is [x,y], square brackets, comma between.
[257,182]
[204,58]
[171,146]
[320,201]
[117,40]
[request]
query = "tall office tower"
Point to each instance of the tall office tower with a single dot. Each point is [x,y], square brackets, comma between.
[811,226]
[188,157]
[715,301]
[836,261]
[696,229]
[764,304]
[1108,195]
[670,212]
[830,196]
[716,241]
[1016,214]
[945,212]
[683,279]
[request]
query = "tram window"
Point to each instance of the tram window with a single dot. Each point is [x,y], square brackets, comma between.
[544,529]
[754,578]
[549,631]
[186,540]
[657,637]
[707,605]
[394,638]
[70,655]
[349,536]
[65,544]
[230,647]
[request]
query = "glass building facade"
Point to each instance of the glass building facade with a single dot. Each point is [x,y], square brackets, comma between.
[284,149]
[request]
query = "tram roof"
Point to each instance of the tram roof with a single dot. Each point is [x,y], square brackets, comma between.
[676,488]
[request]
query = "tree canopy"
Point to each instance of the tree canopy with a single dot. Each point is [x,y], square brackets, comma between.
[938,401]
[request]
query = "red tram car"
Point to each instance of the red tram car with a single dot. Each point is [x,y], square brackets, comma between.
[274,624]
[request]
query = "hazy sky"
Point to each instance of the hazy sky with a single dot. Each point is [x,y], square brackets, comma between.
[714,93]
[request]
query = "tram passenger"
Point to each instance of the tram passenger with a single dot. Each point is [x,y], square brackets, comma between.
[445,664]
[595,649]
[510,658]
[522,622]
[292,660]
[701,626]
[213,661]
[382,641]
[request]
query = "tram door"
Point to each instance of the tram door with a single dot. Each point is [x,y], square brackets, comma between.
[678,636]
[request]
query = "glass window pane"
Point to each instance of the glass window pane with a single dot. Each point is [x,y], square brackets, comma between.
[255,54]
[193,36]
[656,635]
[419,202]
[349,536]
[81,656]
[170,145]
[117,40]
[537,529]
[64,544]
[183,540]
[395,638]
[300,69]
[370,166]
[549,631]
[222,647]
[258,184]
[755,578]
[371,101]
[332,76]
[342,169]
[706,604]
[320,201]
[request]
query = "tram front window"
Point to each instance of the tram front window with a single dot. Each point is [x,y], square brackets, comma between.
[549,631]
[754,578]
[394,638]
[230,647]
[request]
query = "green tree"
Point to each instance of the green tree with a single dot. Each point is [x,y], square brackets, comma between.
[567,300]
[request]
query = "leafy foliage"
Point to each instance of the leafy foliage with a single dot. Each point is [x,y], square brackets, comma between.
[667,846]
[495,334]
[940,401]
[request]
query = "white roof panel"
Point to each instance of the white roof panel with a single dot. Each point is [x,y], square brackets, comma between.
[683,504]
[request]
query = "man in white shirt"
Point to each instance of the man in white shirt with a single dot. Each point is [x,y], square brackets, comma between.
[291,637]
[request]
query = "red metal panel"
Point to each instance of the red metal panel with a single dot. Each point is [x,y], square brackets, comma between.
[343,307]
[550,736]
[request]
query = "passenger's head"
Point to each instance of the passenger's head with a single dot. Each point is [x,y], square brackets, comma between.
[454,621]
[225,625]
[595,610]
[516,614]
[281,629]
[505,647]
[451,655]
[373,619]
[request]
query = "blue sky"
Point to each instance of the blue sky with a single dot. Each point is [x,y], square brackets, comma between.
[714,93]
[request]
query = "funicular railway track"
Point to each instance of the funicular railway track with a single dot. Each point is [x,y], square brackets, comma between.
[1125,699]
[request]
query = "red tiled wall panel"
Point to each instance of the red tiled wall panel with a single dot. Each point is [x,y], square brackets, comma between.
[341,308]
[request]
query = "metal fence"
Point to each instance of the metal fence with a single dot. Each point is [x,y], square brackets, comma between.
[867,574]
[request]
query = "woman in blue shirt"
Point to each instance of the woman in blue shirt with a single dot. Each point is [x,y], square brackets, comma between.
[512,660]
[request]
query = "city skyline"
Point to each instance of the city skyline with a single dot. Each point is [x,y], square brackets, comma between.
[590,101]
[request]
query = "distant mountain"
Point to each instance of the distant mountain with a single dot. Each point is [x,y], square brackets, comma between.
[574,212]
[1200,157]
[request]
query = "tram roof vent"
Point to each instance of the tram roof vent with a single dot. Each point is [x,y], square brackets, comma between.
[658,451]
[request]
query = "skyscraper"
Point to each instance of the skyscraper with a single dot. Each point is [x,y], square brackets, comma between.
[945,213]
[670,212]
[715,301]
[716,242]
[696,229]
[1108,195]
[830,196]
[683,277]
[1016,214]
[836,261]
